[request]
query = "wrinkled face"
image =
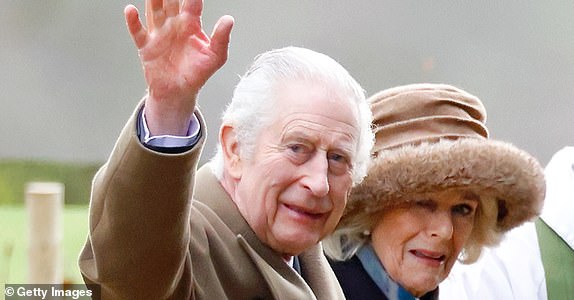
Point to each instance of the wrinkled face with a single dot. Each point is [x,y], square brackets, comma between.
[294,189]
[419,243]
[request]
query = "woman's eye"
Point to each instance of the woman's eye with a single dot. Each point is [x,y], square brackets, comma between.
[462,209]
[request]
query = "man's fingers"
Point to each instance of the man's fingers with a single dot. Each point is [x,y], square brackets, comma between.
[171,7]
[193,7]
[135,27]
[158,13]
[154,13]
[220,36]
[149,14]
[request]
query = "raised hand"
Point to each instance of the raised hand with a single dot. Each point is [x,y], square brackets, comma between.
[177,57]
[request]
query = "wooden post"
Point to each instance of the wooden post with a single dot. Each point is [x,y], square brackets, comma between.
[44,203]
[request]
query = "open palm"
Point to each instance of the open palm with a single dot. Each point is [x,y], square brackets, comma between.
[176,54]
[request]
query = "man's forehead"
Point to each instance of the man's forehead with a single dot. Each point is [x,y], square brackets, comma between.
[310,124]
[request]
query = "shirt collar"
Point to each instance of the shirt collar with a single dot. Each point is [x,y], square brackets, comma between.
[376,271]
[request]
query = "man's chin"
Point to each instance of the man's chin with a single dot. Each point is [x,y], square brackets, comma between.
[295,245]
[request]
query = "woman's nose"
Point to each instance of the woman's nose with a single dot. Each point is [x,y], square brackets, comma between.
[441,225]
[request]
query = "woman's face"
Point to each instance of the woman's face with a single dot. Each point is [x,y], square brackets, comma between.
[419,243]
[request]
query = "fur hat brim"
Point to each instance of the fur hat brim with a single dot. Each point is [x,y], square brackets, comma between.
[509,175]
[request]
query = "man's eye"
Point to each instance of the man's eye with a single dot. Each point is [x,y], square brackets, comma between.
[296,148]
[337,157]
[299,151]
[338,164]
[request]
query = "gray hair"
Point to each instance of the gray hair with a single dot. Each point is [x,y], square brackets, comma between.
[253,100]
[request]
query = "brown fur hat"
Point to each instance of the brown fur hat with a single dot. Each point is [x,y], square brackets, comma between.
[431,137]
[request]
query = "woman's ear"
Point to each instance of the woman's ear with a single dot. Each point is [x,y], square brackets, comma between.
[230,148]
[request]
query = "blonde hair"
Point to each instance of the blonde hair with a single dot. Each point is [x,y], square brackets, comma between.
[485,232]
[354,231]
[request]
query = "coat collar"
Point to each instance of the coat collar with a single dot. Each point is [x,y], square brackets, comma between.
[319,278]
[210,192]
[273,268]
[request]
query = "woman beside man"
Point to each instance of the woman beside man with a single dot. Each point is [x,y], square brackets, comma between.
[437,191]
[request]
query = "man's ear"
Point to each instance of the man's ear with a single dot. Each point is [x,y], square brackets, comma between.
[230,146]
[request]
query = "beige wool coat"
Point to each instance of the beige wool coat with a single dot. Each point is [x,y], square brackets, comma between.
[149,240]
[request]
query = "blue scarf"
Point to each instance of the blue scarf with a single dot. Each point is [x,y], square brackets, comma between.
[376,271]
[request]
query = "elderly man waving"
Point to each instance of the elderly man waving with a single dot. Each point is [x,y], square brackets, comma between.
[293,141]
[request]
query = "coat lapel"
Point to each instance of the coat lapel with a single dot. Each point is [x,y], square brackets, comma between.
[283,281]
[281,286]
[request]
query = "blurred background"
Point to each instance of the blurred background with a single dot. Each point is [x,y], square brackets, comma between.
[70,75]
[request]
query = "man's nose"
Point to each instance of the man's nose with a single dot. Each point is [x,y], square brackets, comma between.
[316,178]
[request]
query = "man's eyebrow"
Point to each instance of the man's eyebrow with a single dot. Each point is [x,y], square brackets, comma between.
[298,134]
[347,150]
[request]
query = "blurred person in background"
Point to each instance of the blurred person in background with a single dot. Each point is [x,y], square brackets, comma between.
[438,191]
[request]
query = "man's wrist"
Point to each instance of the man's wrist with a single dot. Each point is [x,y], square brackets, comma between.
[168,141]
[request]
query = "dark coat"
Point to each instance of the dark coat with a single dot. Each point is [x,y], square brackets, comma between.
[358,285]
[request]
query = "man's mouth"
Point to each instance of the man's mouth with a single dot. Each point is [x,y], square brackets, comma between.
[304,212]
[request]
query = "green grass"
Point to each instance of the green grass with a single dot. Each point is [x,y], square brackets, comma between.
[14,243]
[15,174]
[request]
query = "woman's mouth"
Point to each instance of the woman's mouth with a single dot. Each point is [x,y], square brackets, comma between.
[430,257]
